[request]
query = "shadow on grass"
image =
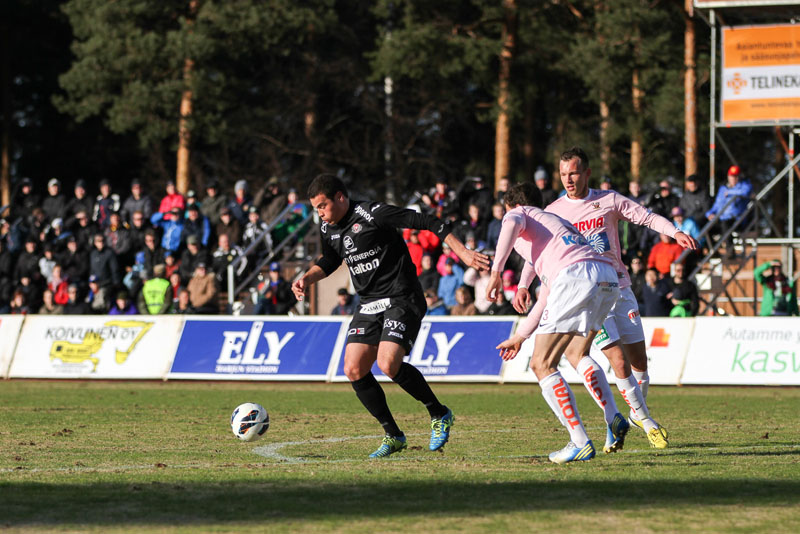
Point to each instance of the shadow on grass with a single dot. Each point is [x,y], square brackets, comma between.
[188,503]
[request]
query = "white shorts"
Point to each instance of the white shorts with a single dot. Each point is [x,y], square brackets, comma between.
[623,322]
[580,299]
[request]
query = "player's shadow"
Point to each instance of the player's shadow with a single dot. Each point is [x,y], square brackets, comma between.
[267,497]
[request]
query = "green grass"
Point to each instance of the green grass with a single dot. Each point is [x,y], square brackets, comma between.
[160,457]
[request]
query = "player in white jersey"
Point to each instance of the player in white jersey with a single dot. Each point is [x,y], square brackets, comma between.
[579,287]
[595,214]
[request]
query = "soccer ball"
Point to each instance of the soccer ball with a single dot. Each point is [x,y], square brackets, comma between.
[249,421]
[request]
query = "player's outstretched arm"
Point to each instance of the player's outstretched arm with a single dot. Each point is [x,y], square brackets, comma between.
[471,258]
[510,347]
[312,276]
[686,241]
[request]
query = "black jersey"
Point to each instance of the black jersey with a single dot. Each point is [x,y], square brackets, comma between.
[366,238]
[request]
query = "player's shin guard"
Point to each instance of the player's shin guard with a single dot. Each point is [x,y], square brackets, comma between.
[644,381]
[411,380]
[629,388]
[559,397]
[371,395]
[597,384]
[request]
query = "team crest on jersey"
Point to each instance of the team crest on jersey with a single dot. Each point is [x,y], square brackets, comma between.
[599,242]
[348,243]
[595,205]
[356,228]
[323,227]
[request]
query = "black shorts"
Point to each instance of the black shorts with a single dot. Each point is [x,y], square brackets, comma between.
[390,319]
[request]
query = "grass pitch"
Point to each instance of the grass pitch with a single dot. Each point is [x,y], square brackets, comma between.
[160,457]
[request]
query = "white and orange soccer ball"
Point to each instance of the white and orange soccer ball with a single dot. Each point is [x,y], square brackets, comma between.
[249,421]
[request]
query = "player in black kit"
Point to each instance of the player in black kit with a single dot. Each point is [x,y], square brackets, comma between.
[364,235]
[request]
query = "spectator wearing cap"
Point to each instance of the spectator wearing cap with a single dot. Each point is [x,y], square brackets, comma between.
[605,183]
[203,290]
[191,256]
[241,202]
[123,305]
[55,203]
[80,201]
[49,306]
[98,297]
[57,235]
[171,225]
[23,200]
[256,232]
[74,261]
[663,200]
[213,202]
[510,285]
[118,238]
[270,200]
[103,264]
[275,293]
[196,224]
[105,204]
[28,261]
[155,298]
[225,254]
[137,201]
[779,294]
[345,303]
[695,201]
[545,186]
[171,200]
[740,191]
[229,225]
[449,282]
[75,305]
[83,229]
[192,200]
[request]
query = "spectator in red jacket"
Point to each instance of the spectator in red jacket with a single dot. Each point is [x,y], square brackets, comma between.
[663,254]
[173,199]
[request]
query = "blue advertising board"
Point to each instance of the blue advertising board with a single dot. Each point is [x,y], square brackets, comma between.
[454,348]
[250,349]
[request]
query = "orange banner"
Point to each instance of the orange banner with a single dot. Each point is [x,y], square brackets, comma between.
[761,46]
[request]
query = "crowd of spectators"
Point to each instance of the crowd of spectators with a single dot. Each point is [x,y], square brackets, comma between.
[96,254]
[114,252]
[660,284]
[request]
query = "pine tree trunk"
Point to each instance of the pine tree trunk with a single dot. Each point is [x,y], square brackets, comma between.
[689,83]
[605,148]
[182,178]
[502,150]
[636,134]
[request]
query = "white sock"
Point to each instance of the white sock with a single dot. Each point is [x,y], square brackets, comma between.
[597,384]
[644,381]
[629,388]
[558,395]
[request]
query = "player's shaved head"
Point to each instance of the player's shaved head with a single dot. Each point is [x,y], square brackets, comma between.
[327,185]
[525,194]
[576,152]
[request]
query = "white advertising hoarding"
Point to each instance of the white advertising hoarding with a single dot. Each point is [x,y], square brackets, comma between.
[744,350]
[667,341]
[9,333]
[89,346]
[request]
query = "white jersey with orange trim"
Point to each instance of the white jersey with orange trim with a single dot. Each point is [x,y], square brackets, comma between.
[597,215]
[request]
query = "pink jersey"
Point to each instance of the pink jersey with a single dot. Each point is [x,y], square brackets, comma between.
[597,215]
[546,242]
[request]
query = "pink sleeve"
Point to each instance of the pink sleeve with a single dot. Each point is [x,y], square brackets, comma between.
[531,322]
[512,224]
[527,275]
[634,212]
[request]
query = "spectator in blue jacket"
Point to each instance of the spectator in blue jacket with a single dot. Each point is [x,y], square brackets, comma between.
[740,190]
[452,280]
[171,224]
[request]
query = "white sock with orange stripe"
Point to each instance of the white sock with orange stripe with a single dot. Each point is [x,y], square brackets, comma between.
[644,381]
[629,388]
[559,397]
[597,384]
